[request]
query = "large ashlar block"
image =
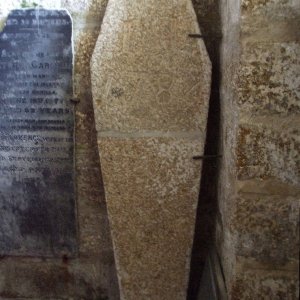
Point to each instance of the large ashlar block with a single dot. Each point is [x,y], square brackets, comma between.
[269,148]
[151,86]
[269,78]
[264,284]
[267,228]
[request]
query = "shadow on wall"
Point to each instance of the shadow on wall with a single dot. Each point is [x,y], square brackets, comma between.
[88,161]
[210,24]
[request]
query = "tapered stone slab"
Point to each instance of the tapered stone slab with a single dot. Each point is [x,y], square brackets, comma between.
[151,85]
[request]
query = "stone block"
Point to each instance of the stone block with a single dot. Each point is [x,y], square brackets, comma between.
[269,78]
[274,27]
[269,149]
[254,284]
[53,279]
[250,6]
[267,228]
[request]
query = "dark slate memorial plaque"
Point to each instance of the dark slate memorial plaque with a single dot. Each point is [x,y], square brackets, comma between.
[37,198]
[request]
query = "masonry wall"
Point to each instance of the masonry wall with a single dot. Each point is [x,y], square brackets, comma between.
[249,201]
[257,228]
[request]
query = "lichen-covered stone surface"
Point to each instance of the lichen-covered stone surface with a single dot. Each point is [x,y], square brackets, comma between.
[151,86]
[270,78]
[265,284]
[258,227]
[266,222]
[269,148]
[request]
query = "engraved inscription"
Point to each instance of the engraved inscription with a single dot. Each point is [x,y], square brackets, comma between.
[37,201]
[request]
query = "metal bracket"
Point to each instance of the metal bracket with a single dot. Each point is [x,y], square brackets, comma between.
[206,157]
[196,36]
[75,101]
[200,36]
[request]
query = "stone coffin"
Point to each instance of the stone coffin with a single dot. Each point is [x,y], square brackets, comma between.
[151,86]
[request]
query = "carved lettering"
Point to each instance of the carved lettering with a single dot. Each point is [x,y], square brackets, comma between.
[36,134]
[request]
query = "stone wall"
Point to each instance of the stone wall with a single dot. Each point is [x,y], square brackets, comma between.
[257,229]
[255,100]
[92,275]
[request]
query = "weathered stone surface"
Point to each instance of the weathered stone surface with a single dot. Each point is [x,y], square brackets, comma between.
[151,86]
[266,151]
[83,8]
[266,284]
[54,279]
[259,176]
[151,189]
[36,135]
[263,222]
[268,187]
[92,274]
[263,85]
[250,6]
[148,66]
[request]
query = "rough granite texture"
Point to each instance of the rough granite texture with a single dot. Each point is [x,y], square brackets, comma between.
[258,210]
[151,85]
[265,284]
[258,225]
